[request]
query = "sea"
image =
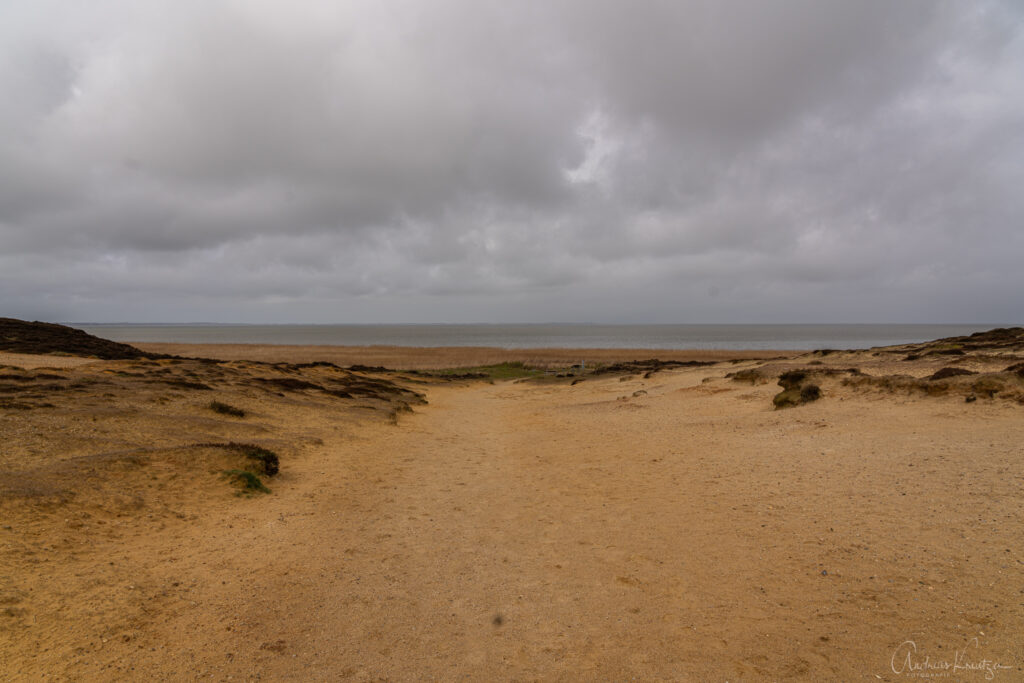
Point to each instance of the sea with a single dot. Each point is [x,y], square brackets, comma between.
[540,335]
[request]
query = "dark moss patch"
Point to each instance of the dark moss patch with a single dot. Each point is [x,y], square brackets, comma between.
[945,373]
[225,409]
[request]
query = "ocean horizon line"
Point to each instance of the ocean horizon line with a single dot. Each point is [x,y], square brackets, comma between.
[734,336]
[535,324]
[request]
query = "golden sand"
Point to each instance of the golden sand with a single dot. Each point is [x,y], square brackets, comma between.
[674,527]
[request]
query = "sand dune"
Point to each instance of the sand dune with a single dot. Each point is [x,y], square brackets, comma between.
[674,527]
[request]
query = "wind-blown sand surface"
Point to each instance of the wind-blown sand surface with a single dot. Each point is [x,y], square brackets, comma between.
[671,527]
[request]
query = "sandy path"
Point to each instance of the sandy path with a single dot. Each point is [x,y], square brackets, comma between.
[686,533]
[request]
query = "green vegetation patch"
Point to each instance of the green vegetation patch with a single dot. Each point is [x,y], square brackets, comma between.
[247,482]
[499,371]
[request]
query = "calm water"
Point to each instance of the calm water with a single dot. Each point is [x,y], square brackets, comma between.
[543,335]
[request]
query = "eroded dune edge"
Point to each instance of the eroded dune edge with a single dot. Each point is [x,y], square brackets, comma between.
[798,516]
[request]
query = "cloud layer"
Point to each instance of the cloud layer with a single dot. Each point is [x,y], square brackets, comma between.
[699,161]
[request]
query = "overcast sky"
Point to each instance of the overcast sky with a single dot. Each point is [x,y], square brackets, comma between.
[465,161]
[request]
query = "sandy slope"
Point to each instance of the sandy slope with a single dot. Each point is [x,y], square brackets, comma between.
[555,532]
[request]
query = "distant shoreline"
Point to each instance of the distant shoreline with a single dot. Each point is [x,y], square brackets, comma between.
[435,357]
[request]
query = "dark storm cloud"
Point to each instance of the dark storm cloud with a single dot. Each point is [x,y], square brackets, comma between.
[787,160]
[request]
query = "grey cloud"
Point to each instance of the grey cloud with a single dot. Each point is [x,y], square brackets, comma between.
[723,160]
